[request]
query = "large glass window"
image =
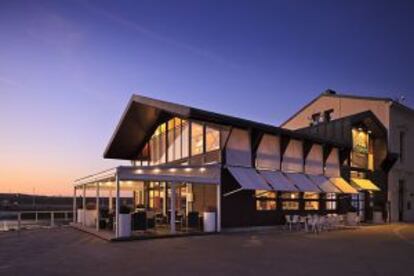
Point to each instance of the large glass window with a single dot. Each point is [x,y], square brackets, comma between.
[158,145]
[185,135]
[290,201]
[212,139]
[331,201]
[311,201]
[265,200]
[197,141]
[174,139]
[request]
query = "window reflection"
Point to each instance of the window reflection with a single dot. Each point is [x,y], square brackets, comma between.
[212,139]
[196,139]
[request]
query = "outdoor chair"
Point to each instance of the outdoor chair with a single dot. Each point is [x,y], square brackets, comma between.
[288,222]
[296,222]
[321,223]
[313,223]
[303,220]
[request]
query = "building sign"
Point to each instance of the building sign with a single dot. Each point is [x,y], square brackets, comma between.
[360,148]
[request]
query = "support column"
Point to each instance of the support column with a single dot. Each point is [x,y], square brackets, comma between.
[74,206]
[218,211]
[172,205]
[110,203]
[97,206]
[117,207]
[84,205]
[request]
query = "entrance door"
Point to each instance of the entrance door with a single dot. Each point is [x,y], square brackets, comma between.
[401,200]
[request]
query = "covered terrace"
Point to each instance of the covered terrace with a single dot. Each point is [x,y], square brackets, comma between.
[149,201]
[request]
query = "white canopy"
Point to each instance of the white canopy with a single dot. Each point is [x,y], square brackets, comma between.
[303,183]
[324,184]
[249,179]
[278,181]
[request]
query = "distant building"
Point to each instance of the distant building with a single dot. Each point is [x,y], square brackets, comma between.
[345,118]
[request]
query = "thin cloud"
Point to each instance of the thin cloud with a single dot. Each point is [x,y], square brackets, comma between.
[161,38]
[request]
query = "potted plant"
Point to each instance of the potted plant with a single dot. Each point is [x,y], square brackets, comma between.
[378,217]
[124,221]
[351,216]
[209,219]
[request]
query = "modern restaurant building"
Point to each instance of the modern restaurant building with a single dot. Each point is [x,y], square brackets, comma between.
[186,163]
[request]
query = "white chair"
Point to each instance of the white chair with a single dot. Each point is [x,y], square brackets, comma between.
[313,223]
[295,221]
[321,223]
[303,220]
[288,222]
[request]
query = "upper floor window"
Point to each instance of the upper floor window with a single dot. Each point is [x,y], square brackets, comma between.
[327,114]
[197,141]
[316,118]
[212,139]
[402,146]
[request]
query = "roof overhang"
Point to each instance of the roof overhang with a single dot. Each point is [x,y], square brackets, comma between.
[143,115]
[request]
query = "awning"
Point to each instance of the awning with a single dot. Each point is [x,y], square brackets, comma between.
[342,185]
[324,184]
[278,181]
[364,184]
[303,183]
[249,179]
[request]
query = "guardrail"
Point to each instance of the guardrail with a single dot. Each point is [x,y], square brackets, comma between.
[35,218]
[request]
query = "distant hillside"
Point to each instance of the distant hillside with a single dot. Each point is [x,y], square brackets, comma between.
[34,202]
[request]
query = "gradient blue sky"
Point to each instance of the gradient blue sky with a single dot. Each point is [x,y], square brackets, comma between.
[68,68]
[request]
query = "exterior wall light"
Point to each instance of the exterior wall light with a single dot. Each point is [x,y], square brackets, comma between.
[173,170]
[157,170]
[140,171]
[188,169]
[202,169]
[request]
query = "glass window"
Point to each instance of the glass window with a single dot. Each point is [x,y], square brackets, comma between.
[265,194]
[185,136]
[311,196]
[290,205]
[311,205]
[171,138]
[265,205]
[265,200]
[197,143]
[212,139]
[290,196]
[331,205]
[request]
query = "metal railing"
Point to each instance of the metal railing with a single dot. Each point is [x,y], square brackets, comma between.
[29,219]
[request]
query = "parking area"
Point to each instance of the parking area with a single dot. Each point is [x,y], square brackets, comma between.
[370,250]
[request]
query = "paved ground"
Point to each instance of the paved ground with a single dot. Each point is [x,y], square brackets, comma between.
[373,250]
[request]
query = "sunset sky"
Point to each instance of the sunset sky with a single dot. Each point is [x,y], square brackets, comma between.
[68,69]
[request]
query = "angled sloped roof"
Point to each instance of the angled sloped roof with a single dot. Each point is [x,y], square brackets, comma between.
[142,116]
[331,93]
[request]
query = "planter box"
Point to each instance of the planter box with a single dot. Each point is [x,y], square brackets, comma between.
[90,218]
[209,221]
[351,218]
[79,216]
[124,225]
[377,217]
